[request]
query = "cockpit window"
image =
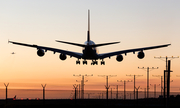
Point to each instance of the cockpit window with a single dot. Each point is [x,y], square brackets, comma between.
[90,43]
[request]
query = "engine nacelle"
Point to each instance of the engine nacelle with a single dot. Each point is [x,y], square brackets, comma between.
[119,58]
[62,56]
[40,52]
[141,55]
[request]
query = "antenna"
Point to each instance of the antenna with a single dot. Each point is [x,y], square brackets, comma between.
[137,92]
[43,91]
[6,90]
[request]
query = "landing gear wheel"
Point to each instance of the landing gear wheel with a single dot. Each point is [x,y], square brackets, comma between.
[94,62]
[77,62]
[85,62]
[102,63]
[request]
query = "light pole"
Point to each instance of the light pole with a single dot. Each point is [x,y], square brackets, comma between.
[161,82]
[82,83]
[116,90]
[107,86]
[124,86]
[154,89]
[167,58]
[144,92]
[148,69]
[134,83]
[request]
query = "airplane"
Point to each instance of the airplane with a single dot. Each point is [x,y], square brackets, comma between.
[13,53]
[89,51]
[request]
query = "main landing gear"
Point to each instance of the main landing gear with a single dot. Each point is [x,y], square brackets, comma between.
[94,62]
[78,62]
[102,62]
[84,62]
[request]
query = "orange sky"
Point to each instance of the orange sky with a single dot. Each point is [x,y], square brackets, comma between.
[134,24]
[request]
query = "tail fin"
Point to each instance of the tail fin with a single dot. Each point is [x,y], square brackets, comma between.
[88,32]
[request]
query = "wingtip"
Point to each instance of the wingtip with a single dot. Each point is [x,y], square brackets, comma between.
[9,41]
[57,40]
[169,44]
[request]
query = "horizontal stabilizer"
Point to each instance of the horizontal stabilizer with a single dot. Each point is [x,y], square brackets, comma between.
[76,44]
[103,44]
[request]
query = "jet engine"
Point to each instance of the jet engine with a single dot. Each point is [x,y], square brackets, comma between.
[141,55]
[62,56]
[119,58]
[40,52]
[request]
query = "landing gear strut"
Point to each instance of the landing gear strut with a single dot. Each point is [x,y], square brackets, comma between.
[78,62]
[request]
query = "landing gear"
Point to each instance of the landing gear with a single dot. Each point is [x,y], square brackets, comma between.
[78,62]
[102,63]
[94,62]
[84,62]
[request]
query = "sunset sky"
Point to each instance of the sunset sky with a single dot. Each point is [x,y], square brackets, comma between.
[135,23]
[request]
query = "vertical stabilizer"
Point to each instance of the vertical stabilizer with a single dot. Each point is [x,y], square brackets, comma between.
[88,32]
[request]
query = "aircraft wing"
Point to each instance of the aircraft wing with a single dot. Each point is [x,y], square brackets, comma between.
[105,55]
[70,53]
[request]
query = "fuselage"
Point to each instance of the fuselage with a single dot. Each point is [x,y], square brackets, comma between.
[90,52]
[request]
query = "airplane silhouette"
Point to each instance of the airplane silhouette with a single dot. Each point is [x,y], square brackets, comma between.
[89,51]
[13,53]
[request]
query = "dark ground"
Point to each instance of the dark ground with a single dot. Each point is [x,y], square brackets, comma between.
[54,103]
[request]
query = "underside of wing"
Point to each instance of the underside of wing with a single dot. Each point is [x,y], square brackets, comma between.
[105,55]
[70,53]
